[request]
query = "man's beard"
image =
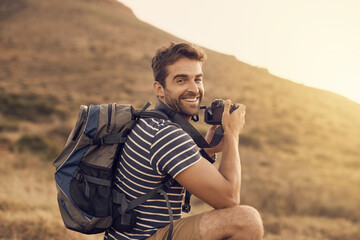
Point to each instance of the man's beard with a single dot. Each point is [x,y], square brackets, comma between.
[178,105]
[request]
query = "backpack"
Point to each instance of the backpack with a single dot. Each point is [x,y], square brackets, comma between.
[85,168]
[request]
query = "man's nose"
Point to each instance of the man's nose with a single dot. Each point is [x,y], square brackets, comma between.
[193,87]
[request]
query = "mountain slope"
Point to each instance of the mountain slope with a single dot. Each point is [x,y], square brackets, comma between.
[300,147]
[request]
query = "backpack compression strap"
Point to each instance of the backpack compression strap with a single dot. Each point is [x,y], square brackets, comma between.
[119,198]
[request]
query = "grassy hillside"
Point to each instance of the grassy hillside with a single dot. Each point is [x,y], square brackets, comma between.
[300,148]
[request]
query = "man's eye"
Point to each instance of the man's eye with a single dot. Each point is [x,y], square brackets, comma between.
[180,80]
[198,79]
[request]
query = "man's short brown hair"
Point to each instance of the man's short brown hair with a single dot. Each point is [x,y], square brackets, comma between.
[168,55]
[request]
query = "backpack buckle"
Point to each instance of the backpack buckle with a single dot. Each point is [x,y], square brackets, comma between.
[99,142]
[79,177]
[186,208]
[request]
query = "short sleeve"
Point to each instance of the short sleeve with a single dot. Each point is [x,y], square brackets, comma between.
[173,151]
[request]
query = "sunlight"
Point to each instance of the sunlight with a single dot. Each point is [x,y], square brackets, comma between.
[348,84]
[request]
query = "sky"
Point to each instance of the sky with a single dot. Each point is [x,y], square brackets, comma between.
[313,42]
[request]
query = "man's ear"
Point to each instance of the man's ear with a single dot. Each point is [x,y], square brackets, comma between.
[158,89]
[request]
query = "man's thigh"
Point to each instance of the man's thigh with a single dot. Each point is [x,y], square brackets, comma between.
[184,228]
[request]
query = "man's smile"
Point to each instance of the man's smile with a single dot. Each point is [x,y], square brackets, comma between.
[195,99]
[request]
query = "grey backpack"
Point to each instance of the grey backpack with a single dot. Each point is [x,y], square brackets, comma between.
[85,168]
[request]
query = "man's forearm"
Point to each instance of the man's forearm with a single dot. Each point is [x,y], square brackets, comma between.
[230,166]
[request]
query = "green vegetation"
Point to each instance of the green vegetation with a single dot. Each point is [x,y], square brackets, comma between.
[27,106]
[37,145]
[8,127]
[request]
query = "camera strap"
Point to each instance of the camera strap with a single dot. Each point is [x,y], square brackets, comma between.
[185,125]
[218,135]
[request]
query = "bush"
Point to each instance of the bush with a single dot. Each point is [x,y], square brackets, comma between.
[37,145]
[29,107]
[8,127]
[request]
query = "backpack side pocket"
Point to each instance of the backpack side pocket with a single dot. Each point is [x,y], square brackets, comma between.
[91,187]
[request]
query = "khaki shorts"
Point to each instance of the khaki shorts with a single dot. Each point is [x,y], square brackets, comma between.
[184,229]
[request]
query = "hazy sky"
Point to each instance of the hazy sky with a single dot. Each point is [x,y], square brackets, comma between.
[314,42]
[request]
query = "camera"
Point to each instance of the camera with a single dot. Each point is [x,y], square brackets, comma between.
[213,113]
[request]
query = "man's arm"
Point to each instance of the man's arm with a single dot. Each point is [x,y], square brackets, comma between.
[219,188]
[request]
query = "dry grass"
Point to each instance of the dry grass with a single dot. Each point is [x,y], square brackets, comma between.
[28,207]
[300,147]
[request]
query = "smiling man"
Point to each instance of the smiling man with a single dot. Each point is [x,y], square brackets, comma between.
[158,148]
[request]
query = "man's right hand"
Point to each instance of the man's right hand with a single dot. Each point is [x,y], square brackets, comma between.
[233,123]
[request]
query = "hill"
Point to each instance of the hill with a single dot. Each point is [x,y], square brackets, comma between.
[300,148]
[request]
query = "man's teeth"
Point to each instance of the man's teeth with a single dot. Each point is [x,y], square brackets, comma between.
[190,99]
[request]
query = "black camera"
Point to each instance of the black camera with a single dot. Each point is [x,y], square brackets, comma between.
[213,113]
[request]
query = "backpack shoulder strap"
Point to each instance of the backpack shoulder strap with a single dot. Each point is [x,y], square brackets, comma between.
[150,114]
[185,125]
[166,184]
[154,113]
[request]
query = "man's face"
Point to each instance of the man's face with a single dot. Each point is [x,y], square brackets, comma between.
[184,88]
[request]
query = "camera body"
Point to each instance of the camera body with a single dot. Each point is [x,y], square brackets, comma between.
[213,113]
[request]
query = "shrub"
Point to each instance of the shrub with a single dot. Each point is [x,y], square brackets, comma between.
[8,127]
[29,107]
[37,145]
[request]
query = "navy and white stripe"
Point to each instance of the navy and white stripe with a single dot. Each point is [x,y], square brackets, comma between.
[154,149]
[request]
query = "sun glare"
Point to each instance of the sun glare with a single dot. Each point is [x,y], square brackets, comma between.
[348,84]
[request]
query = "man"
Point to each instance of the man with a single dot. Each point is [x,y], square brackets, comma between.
[157,148]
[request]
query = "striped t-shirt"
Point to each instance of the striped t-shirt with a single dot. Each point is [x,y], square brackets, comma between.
[154,148]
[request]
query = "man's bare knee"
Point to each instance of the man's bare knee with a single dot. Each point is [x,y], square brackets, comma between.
[239,222]
[248,223]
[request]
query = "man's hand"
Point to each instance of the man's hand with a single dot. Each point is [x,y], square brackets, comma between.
[233,123]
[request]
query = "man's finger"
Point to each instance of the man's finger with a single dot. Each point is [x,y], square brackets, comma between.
[227,106]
